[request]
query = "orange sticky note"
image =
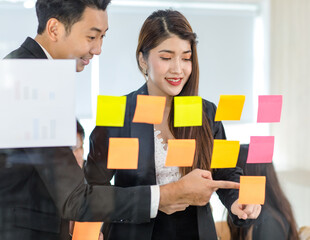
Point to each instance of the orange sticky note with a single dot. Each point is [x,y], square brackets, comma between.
[180,153]
[252,190]
[123,153]
[86,230]
[149,109]
[187,111]
[111,111]
[230,107]
[225,154]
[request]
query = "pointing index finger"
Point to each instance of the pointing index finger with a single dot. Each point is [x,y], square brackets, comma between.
[225,184]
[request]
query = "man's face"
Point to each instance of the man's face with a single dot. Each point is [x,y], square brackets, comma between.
[85,38]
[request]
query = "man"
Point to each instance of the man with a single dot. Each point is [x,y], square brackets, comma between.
[78,149]
[78,152]
[40,186]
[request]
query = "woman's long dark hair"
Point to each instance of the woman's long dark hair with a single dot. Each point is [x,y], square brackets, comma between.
[275,201]
[158,27]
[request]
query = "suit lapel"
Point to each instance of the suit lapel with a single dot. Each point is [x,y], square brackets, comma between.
[145,134]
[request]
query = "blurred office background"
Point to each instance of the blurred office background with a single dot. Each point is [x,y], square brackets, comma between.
[248,47]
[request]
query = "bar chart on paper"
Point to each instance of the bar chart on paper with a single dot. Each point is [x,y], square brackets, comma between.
[37,103]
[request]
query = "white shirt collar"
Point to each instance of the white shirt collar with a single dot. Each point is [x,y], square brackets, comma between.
[46,52]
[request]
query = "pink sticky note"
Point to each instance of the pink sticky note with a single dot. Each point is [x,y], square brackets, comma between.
[261,149]
[269,108]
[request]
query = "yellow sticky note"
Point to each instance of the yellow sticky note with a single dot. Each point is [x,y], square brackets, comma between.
[180,153]
[252,190]
[123,153]
[187,111]
[230,107]
[86,230]
[111,111]
[225,154]
[149,109]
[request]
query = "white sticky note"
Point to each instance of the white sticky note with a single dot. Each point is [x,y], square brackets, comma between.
[37,103]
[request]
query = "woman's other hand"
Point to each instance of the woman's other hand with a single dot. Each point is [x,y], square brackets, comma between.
[249,211]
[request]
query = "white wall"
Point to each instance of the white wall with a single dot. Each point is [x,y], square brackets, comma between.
[290,74]
[13,33]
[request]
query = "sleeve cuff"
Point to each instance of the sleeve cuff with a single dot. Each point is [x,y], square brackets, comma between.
[155,196]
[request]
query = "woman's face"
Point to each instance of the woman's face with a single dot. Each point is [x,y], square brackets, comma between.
[169,66]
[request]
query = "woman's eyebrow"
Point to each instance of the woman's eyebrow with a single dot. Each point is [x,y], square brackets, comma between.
[169,51]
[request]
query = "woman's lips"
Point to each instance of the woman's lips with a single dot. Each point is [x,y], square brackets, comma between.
[174,81]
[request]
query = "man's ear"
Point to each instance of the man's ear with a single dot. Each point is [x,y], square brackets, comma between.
[54,29]
[142,62]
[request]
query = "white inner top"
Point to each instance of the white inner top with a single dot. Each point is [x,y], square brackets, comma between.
[164,174]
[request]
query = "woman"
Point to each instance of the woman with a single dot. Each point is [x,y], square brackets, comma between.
[276,220]
[167,56]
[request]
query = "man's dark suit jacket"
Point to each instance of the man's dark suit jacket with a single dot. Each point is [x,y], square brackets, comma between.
[96,171]
[39,186]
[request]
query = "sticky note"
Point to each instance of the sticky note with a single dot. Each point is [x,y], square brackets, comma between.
[149,109]
[230,107]
[187,111]
[252,190]
[261,149]
[86,230]
[123,153]
[111,111]
[269,108]
[225,154]
[181,152]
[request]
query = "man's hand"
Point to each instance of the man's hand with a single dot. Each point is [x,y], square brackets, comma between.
[169,209]
[195,188]
[250,211]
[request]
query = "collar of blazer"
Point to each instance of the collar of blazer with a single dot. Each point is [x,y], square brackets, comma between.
[32,46]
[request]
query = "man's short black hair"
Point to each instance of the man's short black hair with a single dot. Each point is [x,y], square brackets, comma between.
[67,12]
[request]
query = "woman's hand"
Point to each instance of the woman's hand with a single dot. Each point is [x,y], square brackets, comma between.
[250,211]
[101,237]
